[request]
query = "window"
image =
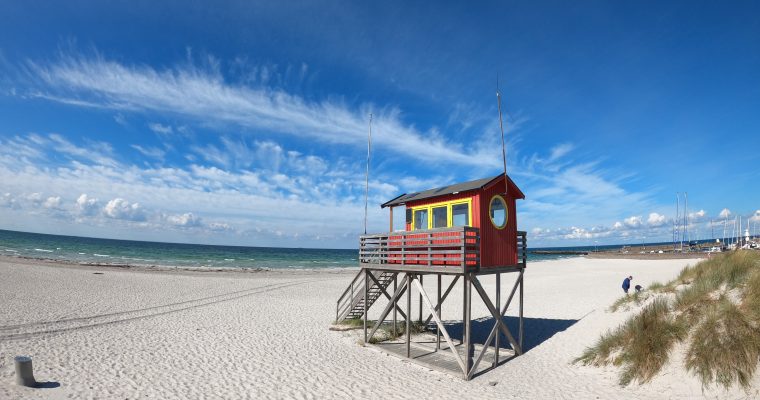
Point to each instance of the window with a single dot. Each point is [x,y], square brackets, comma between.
[440,217]
[497,210]
[460,215]
[421,219]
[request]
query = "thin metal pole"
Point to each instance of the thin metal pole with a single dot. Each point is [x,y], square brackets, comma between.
[503,145]
[409,315]
[366,177]
[394,306]
[438,329]
[498,307]
[366,297]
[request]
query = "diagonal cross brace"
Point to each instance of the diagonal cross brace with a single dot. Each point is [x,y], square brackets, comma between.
[451,286]
[491,335]
[496,315]
[498,325]
[438,322]
[379,286]
[393,301]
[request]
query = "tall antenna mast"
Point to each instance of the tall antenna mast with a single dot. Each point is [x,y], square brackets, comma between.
[366,177]
[503,145]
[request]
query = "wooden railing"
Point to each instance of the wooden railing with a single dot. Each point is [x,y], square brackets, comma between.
[447,248]
[522,247]
[442,247]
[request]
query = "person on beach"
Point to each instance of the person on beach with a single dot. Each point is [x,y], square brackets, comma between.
[627,284]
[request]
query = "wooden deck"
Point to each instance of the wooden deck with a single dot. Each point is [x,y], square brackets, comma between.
[424,353]
[454,250]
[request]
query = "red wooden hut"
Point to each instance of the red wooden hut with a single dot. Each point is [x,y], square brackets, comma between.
[486,204]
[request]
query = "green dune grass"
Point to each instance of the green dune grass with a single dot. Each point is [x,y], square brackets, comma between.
[715,312]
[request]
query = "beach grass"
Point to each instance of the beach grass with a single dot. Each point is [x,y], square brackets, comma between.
[636,298]
[725,346]
[641,345]
[716,310]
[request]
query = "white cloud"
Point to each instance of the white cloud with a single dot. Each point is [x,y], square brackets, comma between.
[160,129]
[152,152]
[655,219]
[184,220]
[7,200]
[725,213]
[86,205]
[203,94]
[52,202]
[121,209]
[559,151]
[35,198]
[633,222]
[120,119]
[697,216]
[755,217]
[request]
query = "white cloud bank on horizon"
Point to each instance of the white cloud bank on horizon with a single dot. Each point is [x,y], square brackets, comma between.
[318,204]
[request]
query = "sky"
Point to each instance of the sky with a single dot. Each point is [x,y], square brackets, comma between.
[246,123]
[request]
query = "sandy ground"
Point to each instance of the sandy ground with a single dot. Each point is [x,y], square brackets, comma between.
[120,333]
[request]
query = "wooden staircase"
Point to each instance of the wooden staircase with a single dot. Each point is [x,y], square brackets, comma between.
[351,303]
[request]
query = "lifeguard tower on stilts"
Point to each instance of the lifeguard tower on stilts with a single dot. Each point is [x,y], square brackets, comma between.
[464,231]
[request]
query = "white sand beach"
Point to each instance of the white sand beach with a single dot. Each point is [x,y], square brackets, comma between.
[98,332]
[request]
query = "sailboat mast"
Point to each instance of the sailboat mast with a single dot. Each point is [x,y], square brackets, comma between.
[678,218]
[686,219]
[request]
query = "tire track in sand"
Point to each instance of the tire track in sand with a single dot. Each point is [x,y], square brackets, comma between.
[25,331]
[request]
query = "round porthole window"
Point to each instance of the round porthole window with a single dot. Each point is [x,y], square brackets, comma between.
[497,210]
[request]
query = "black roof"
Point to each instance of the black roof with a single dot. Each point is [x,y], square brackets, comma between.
[442,191]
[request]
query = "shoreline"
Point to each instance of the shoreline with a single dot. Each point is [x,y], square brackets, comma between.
[248,270]
[166,268]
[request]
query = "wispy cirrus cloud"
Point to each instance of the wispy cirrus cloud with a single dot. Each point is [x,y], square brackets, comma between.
[204,94]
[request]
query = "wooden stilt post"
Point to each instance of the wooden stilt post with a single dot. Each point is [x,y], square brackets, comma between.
[421,282]
[468,348]
[437,329]
[394,306]
[409,315]
[464,307]
[498,334]
[520,333]
[366,298]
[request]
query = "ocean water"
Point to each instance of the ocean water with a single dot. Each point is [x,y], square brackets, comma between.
[137,253]
[127,252]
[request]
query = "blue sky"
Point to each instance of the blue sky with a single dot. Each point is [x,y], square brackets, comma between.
[245,123]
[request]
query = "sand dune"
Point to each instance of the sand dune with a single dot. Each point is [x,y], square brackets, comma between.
[146,334]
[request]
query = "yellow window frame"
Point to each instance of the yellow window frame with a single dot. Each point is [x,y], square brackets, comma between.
[449,217]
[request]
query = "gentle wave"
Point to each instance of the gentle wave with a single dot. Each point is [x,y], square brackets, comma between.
[44,250]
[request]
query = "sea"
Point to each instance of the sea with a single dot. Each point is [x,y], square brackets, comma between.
[84,250]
